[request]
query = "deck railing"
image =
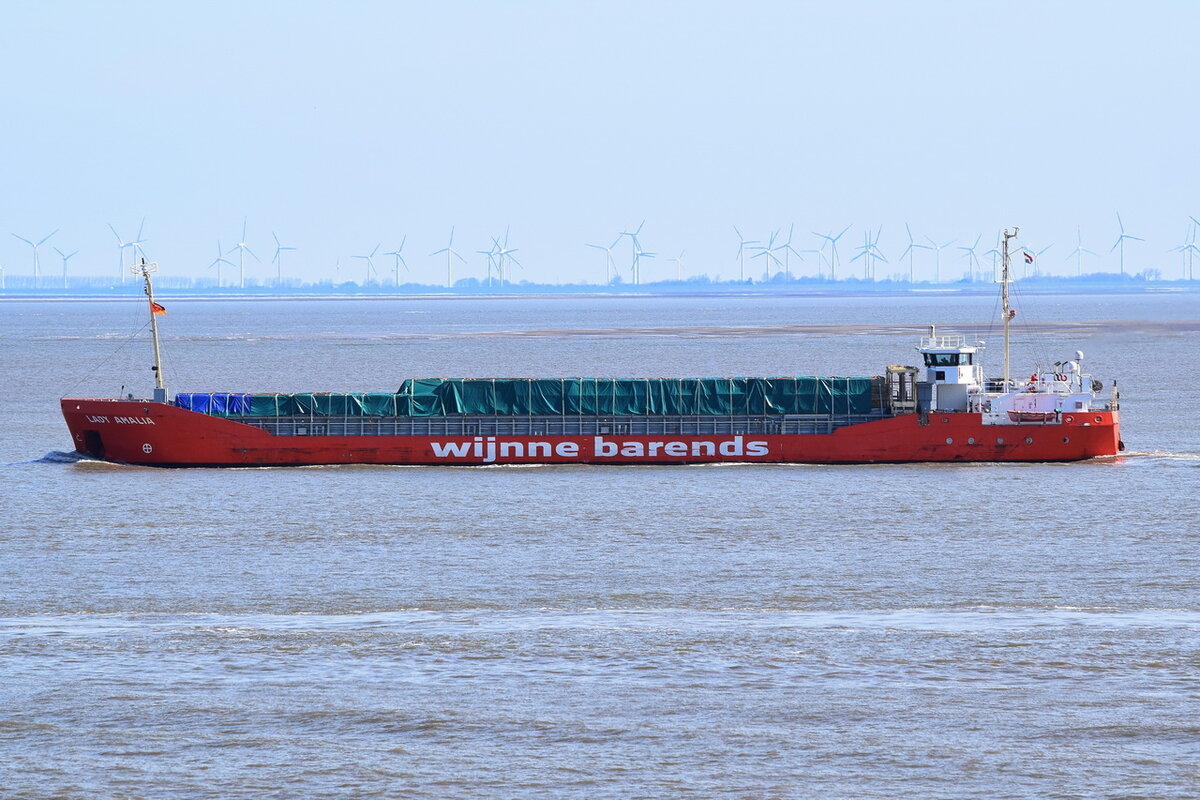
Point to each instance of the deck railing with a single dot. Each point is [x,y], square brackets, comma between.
[556,426]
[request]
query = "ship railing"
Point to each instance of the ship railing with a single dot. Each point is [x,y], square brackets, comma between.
[558,426]
[946,341]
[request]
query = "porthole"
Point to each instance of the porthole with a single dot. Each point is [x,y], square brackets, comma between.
[947,419]
[949,440]
[1068,419]
[1066,440]
[1028,440]
[1000,440]
[971,440]
[1098,419]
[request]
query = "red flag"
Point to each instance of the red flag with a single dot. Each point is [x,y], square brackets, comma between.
[155,308]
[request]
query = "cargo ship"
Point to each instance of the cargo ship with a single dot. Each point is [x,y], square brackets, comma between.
[945,410]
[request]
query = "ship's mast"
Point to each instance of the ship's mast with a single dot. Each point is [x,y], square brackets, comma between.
[1007,312]
[144,269]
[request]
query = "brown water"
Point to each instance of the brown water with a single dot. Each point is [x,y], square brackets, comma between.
[723,631]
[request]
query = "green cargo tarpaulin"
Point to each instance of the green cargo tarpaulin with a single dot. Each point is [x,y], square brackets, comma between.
[436,397]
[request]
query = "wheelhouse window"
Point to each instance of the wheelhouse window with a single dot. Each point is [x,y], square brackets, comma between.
[947,359]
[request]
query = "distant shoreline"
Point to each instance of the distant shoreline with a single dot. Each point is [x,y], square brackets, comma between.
[1040,287]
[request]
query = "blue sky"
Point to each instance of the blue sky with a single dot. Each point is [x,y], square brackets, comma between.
[340,126]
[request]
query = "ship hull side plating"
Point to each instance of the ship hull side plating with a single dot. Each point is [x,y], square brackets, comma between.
[156,434]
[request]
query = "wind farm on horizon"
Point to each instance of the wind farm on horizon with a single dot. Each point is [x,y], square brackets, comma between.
[775,259]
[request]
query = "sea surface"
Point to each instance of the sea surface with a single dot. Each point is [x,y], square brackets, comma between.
[731,631]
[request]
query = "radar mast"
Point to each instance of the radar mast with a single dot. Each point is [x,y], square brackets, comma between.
[1006,310]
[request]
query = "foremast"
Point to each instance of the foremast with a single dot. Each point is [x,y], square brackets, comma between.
[145,268]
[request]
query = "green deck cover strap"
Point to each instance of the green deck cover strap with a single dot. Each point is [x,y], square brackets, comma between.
[428,397]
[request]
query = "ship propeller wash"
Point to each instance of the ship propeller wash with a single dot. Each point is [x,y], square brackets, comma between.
[952,412]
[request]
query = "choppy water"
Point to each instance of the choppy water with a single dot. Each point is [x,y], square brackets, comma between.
[725,631]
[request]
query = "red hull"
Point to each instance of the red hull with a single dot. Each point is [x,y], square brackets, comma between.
[143,432]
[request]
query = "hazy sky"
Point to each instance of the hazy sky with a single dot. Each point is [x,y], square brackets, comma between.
[340,126]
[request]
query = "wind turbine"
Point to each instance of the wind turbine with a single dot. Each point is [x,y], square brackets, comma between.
[1078,252]
[610,270]
[638,255]
[218,261]
[832,241]
[451,254]
[994,253]
[741,254]
[136,244]
[679,266]
[491,258]
[2,282]
[278,259]
[1189,248]
[768,251]
[37,271]
[635,245]
[972,258]
[1121,242]
[908,251]
[937,257]
[65,257]
[369,258]
[870,252]
[398,254]
[504,252]
[787,253]
[243,248]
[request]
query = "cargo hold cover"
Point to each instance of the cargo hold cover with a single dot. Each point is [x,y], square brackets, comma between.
[437,397]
